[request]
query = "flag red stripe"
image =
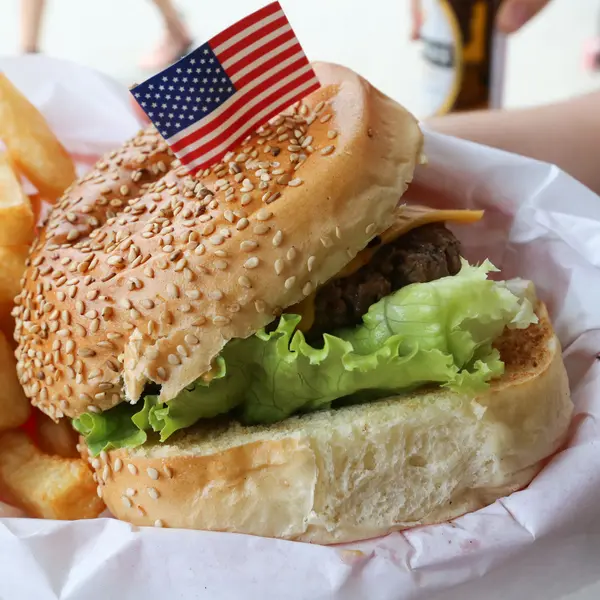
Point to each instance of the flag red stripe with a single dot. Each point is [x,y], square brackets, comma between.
[238,124]
[251,38]
[244,23]
[185,159]
[239,103]
[248,59]
[269,64]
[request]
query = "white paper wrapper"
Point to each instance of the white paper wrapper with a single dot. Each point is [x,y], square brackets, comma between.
[541,542]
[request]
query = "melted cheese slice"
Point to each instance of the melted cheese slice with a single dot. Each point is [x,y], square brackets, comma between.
[406,218]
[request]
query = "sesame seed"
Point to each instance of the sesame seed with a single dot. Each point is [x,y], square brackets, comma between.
[106,472]
[193,294]
[310,263]
[126,303]
[261,229]
[96,463]
[278,265]
[174,359]
[370,230]
[220,320]
[216,240]
[307,289]
[332,134]
[260,305]
[126,502]
[132,469]
[263,215]
[99,491]
[191,339]
[244,282]
[114,260]
[215,294]
[208,229]
[158,523]
[291,253]
[153,493]
[295,182]
[289,282]
[118,465]
[251,263]
[327,243]
[168,472]
[130,492]
[248,245]
[220,265]
[91,314]
[152,473]
[319,107]
[86,352]
[242,224]
[172,290]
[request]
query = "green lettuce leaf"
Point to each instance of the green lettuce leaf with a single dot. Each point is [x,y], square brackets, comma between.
[111,429]
[429,333]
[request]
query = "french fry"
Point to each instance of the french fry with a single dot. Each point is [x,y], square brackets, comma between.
[44,486]
[7,322]
[31,144]
[12,265]
[41,208]
[14,406]
[59,439]
[16,214]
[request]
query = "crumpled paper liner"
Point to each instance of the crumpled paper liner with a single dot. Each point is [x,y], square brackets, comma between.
[541,542]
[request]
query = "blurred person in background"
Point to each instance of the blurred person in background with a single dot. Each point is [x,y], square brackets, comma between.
[565,133]
[176,40]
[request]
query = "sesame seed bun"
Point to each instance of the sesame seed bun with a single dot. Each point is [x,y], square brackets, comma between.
[356,472]
[143,272]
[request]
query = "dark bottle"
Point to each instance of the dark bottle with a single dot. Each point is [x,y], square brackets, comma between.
[464,56]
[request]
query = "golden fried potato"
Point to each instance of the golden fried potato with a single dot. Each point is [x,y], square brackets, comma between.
[49,487]
[14,406]
[7,322]
[16,213]
[59,438]
[12,265]
[31,144]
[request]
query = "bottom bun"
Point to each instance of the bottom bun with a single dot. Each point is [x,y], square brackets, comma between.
[356,472]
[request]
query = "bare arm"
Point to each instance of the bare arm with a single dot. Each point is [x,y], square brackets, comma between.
[566,134]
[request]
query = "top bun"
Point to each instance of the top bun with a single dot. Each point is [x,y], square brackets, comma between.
[143,273]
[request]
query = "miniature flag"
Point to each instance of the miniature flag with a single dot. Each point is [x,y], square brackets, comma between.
[210,100]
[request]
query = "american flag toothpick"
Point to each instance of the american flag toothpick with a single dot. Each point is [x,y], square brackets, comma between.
[210,100]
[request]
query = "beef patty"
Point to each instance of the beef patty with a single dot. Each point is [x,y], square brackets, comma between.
[423,254]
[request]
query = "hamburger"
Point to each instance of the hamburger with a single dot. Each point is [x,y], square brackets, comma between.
[279,345]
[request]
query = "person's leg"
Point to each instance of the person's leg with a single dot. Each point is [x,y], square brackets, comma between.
[31,20]
[177,38]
